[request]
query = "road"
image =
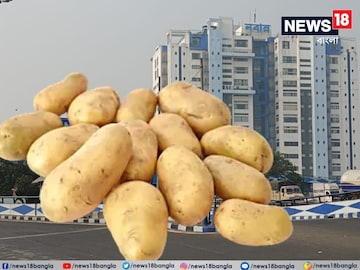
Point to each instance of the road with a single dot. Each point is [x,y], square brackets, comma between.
[311,240]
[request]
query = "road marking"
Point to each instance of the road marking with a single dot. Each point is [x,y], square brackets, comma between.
[49,234]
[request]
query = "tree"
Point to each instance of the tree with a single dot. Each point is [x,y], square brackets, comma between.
[282,168]
[17,175]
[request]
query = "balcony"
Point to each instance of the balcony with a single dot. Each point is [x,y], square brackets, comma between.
[231,89]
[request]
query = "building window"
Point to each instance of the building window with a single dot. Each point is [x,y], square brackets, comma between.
[334,119]
[227,70]
[290,129]
[241,59]
[286,45]
[291,156]
[290,106]
[241,117]
[305,72]
[196,79]
[290,119]
[334,106]
[335,130]
[241,70]
[335,155]
[289,93]
[289,71]
[241,105]
[335,142]
[289,59]
[240,82]
[195,41]
[334,93]
[289,83]
[334,60]
[291,143]
[305,48]
[241,43]
[195,55]
[334,82]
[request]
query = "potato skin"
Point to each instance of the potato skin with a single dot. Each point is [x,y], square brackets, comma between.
[79,184]
[138,104]
[20,131]
[200,109]
[57,145]
[236,180]
[240,143]
[136,214]
[142,165]
[186,184]
[56,98]
[97,106]
[172,129]
[252,224]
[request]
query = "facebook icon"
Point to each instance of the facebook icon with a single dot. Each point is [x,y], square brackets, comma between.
[5,266]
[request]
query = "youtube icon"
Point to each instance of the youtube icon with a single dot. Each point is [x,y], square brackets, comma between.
[66,265]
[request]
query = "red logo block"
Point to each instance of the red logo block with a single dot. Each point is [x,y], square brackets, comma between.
[342,19]
[66,265]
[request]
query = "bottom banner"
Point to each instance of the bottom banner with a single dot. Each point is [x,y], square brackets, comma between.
[182,265]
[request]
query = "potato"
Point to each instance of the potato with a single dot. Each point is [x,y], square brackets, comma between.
[136,214]
[200,109]
[252,224]
[236,180]
[142,165]
[56,98]
[57,145]
[139,104]
[172,129]
[79,184]
[97,106]
[240,143]
[186,184]
[20,131]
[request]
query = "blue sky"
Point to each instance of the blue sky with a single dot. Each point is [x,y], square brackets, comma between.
[112,41]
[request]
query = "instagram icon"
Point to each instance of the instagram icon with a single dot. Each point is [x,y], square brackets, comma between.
[183,266]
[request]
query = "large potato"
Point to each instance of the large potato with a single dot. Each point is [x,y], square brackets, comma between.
[234,179]
[57,97]
[200,109]
[57,145]
[139,104]
[97,106]
[186,183]
[252,224]
[20,131]
[79,184]
[142,165]
[136,214]
[172,129]
[240,143]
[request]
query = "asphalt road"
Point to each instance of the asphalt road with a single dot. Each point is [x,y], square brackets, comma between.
[311,240]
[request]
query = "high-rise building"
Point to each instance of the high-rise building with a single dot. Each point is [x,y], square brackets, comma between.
[300,92]
[316,104]
[232,62]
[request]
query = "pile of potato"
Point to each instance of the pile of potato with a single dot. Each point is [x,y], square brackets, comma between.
[112,149]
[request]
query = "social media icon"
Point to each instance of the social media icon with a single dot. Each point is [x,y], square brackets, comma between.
[307,266]
[183,266]
[66,265]
[244,266]
[5,266]
[125,265]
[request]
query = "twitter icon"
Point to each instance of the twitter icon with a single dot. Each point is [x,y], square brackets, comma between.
[126,265]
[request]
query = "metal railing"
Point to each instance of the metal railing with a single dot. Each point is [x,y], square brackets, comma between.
[318,199]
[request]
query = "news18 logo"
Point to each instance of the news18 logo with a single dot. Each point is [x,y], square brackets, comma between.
[341,19]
